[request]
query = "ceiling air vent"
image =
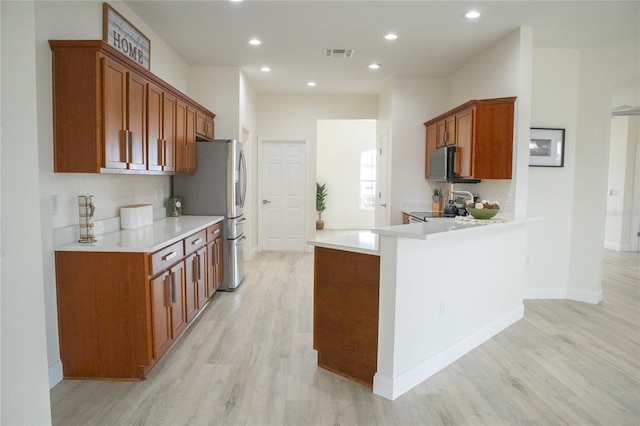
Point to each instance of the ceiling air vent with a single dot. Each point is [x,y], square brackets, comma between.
[338,53]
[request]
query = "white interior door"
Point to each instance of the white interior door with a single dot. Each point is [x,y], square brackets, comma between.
[382,172]
[283,180]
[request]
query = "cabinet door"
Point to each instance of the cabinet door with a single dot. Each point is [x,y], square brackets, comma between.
[219,251]
[125,117]
[169,131]
[178,306]
[201,275]
[185,138]
[136,148]
[431,145]
[196,268]
[114,99]
[204,125]
[450,130]
[464,143]
[161,314]
[190,140]
[155,139]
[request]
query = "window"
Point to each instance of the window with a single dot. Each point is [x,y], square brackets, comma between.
[368,180]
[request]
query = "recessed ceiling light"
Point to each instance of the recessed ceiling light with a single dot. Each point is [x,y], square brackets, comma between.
[472,14]
[264,69]
[390,36]
[374,66]
[235,1]
[255,42]
[311,83]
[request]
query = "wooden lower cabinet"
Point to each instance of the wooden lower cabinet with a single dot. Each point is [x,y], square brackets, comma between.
[345,312]
[118,313]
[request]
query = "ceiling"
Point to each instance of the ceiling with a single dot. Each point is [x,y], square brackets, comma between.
[434,40]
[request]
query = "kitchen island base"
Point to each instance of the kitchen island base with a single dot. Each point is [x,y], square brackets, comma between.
[345,313]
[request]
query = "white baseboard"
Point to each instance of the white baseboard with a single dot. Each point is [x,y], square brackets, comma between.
[544,293]
[593,297]
[617,247]
[392,387]
[55,374]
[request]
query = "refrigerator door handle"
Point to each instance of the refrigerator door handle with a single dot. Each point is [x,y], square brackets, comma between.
[243,176]
[241,241]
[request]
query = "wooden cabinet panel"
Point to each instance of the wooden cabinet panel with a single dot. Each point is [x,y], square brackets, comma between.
[464,143]
[105,129]
[161,314]
[124,106]
[346,338]
[195,282]
[185,138]
[115,111]
[104,308]
[431,145]
[178,299]
[215,271]
[194,242]
[163,258]
[204,126]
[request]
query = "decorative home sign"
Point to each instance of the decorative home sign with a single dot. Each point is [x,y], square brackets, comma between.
[121,34]
[546,147]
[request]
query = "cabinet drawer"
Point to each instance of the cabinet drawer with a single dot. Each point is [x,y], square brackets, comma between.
[195,241]
[214,231]
[166,257]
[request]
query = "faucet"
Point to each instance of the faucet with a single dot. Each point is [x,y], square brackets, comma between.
[452,192]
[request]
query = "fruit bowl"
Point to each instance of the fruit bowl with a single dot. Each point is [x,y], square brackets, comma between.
[482,214]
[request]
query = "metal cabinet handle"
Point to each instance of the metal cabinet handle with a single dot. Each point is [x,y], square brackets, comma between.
[169,256]
[167,290]
[196,241]
[217,231]
[173,288]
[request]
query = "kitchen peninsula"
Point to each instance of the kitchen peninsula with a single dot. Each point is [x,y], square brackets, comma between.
[445,287]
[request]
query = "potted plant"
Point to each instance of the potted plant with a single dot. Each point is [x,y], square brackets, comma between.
[321,196]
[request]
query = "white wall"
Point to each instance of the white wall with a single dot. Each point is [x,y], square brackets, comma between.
[621,220]
[83,20]
[503,70]
[340,143]
[413,101]
[555,105]
[294,117]
[217,88]
[248,124]
[601,70]
[23,356]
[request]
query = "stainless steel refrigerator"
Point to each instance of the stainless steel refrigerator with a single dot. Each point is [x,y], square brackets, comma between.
[219,188]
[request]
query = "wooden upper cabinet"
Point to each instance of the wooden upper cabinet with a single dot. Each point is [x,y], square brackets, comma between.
[111,115]
[482,131]
[464,143]
[204,126]
[161,124]
[125,114]
[431,145]
[185,138]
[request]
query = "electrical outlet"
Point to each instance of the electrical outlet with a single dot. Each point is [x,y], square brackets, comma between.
[54,203]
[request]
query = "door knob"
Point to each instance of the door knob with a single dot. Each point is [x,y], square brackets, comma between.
[266,202]
[383,205]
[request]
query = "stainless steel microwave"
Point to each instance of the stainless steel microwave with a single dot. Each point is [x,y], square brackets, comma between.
[442,166]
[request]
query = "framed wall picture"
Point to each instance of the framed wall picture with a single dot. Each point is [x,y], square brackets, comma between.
[546,147]
[121,34]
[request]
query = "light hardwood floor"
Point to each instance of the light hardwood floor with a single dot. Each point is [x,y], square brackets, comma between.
[248,360]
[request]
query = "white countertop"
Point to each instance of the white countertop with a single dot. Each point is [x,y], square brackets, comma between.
[438,227]
[363,242]
[148,239]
